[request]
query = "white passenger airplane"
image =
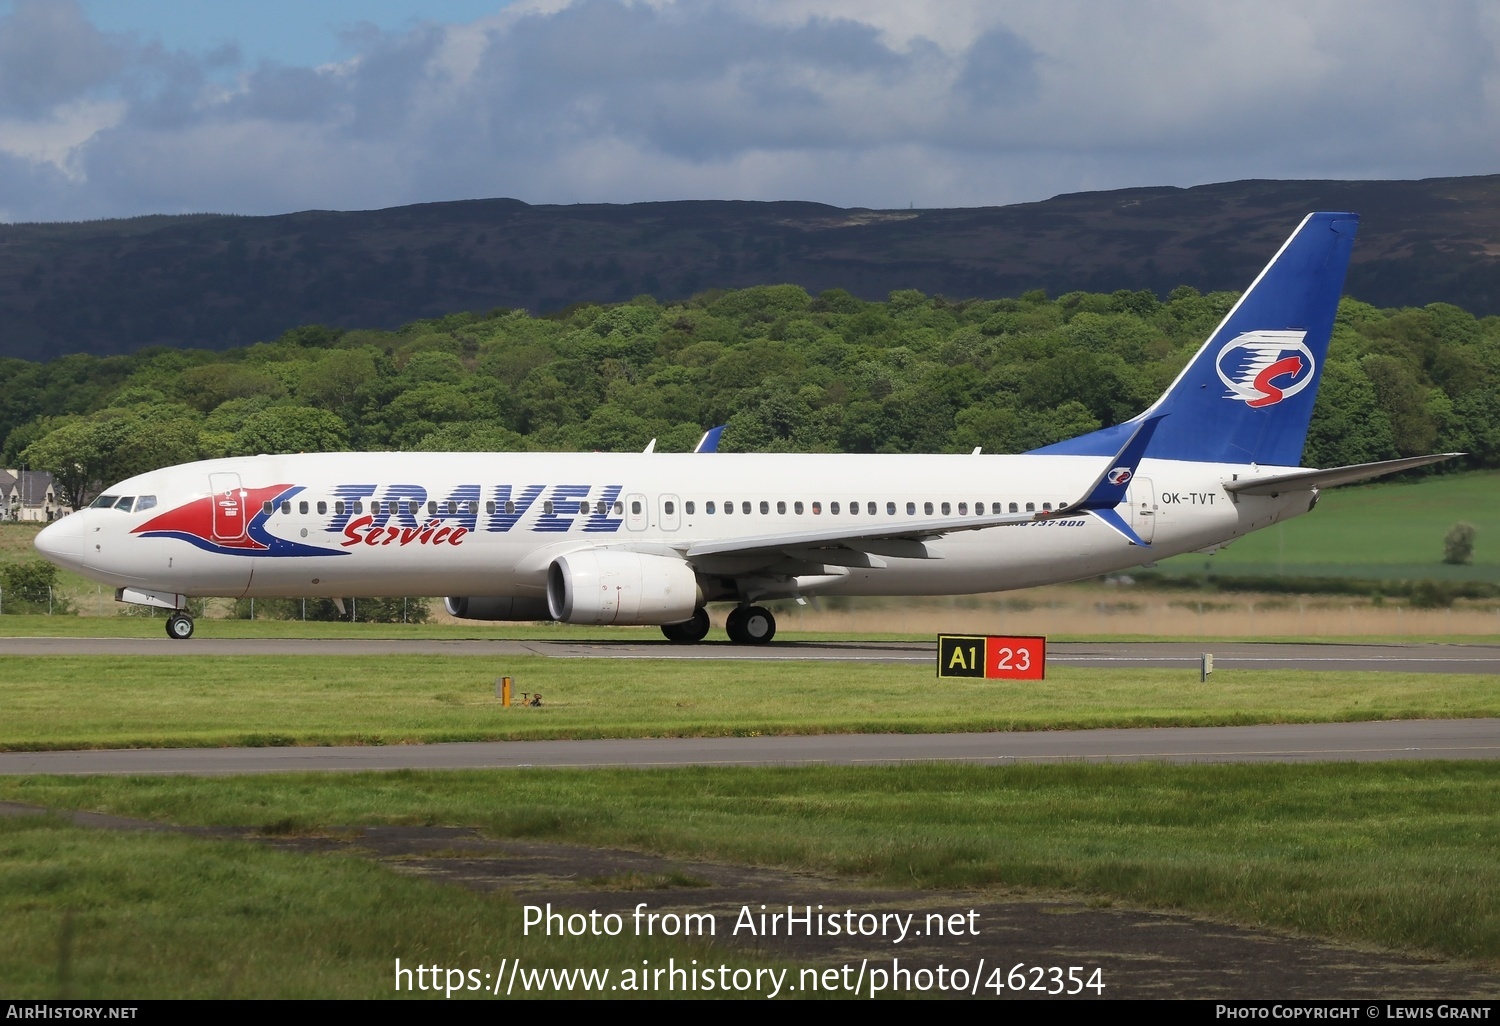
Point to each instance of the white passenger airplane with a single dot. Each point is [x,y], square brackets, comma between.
[651,538]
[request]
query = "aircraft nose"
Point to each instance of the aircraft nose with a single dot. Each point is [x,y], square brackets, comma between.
[62,541]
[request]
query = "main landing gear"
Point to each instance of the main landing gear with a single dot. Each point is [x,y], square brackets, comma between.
[179,626]
[746,625]
[695,629]
[750,625]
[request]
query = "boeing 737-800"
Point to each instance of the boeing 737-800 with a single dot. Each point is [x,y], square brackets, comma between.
[651,538]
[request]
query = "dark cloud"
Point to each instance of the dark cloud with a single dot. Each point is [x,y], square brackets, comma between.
[609,100]
[51,54]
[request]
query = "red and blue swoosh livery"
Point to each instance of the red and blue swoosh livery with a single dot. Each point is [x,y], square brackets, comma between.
[1247,395]
[203,523]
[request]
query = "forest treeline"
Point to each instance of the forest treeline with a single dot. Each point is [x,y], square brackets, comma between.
[787,371]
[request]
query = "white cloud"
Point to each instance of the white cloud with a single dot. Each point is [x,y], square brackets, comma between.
[875,103]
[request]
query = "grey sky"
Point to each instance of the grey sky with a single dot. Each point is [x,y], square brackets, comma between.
[873,103]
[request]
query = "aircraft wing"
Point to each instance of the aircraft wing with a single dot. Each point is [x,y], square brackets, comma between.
[1304,480]
[860,537]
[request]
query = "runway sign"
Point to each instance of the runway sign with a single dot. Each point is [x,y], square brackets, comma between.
[1012,657]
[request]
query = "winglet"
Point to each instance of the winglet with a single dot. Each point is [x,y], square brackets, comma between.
[1108,489]
[1114,520]
[710,440]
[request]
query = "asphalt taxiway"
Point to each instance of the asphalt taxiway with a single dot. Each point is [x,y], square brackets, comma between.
[1304,742]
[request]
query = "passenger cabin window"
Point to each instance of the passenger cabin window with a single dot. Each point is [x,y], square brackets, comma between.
[669,507]
[708,507]
[963,509]
[1031,507]
[818,509]
[583,507]
[854,509]
[728,507]
[1014,508]
[547,506]
[338,507]
[911,509]
[619,507]
[1046,505]
[301,507]
[322,508]
[510,508]
[947,508]
[489,507]
[265,507]
[765,507]
[797,508]
[745,508]
[635,507]
[688,507]
[781,508]
[286,507]
[833,508]
[145,502]
[431,508]
[890,509]
[927,508]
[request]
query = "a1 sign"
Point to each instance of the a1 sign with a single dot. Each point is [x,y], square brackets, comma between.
[997,657]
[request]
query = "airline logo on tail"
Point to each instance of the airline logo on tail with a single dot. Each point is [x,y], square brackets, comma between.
[1261,368]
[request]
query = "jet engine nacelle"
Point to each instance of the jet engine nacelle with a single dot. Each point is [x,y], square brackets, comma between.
[603,586]
[496,607]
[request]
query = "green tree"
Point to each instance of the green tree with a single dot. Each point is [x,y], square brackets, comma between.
[1458,543]
[288,429]
[75,453]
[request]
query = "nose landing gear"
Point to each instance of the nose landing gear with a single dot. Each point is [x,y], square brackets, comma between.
[179,626]
[750,625]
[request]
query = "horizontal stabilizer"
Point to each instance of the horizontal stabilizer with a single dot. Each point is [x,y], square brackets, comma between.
[1306,480]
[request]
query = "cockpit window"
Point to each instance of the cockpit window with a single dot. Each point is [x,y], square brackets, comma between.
[104,502]
[125,503]
[145,502]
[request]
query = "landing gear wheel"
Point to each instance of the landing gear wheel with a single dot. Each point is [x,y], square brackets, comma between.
[179,626]
[692,630]
[750,625]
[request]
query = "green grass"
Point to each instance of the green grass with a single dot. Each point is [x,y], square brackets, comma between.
[92,914]
[55,702]
[1405,855]
[1380,530]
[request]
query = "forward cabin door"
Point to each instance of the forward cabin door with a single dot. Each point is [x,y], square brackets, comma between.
[230,514]
[1142,497]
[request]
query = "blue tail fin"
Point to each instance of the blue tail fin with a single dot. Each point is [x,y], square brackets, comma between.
[1247,396]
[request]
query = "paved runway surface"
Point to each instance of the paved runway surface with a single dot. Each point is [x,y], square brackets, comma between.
[1311,742]
[1413,658]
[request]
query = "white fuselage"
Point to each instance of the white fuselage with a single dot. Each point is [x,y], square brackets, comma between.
[491,523]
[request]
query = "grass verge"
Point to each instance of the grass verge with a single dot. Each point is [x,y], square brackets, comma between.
[1404,855]
[93,914]
[64,702]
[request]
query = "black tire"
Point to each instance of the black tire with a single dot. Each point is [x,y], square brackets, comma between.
[688,631]
[179,626]
[751,625]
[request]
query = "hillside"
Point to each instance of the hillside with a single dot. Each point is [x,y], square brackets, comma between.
[215,281]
